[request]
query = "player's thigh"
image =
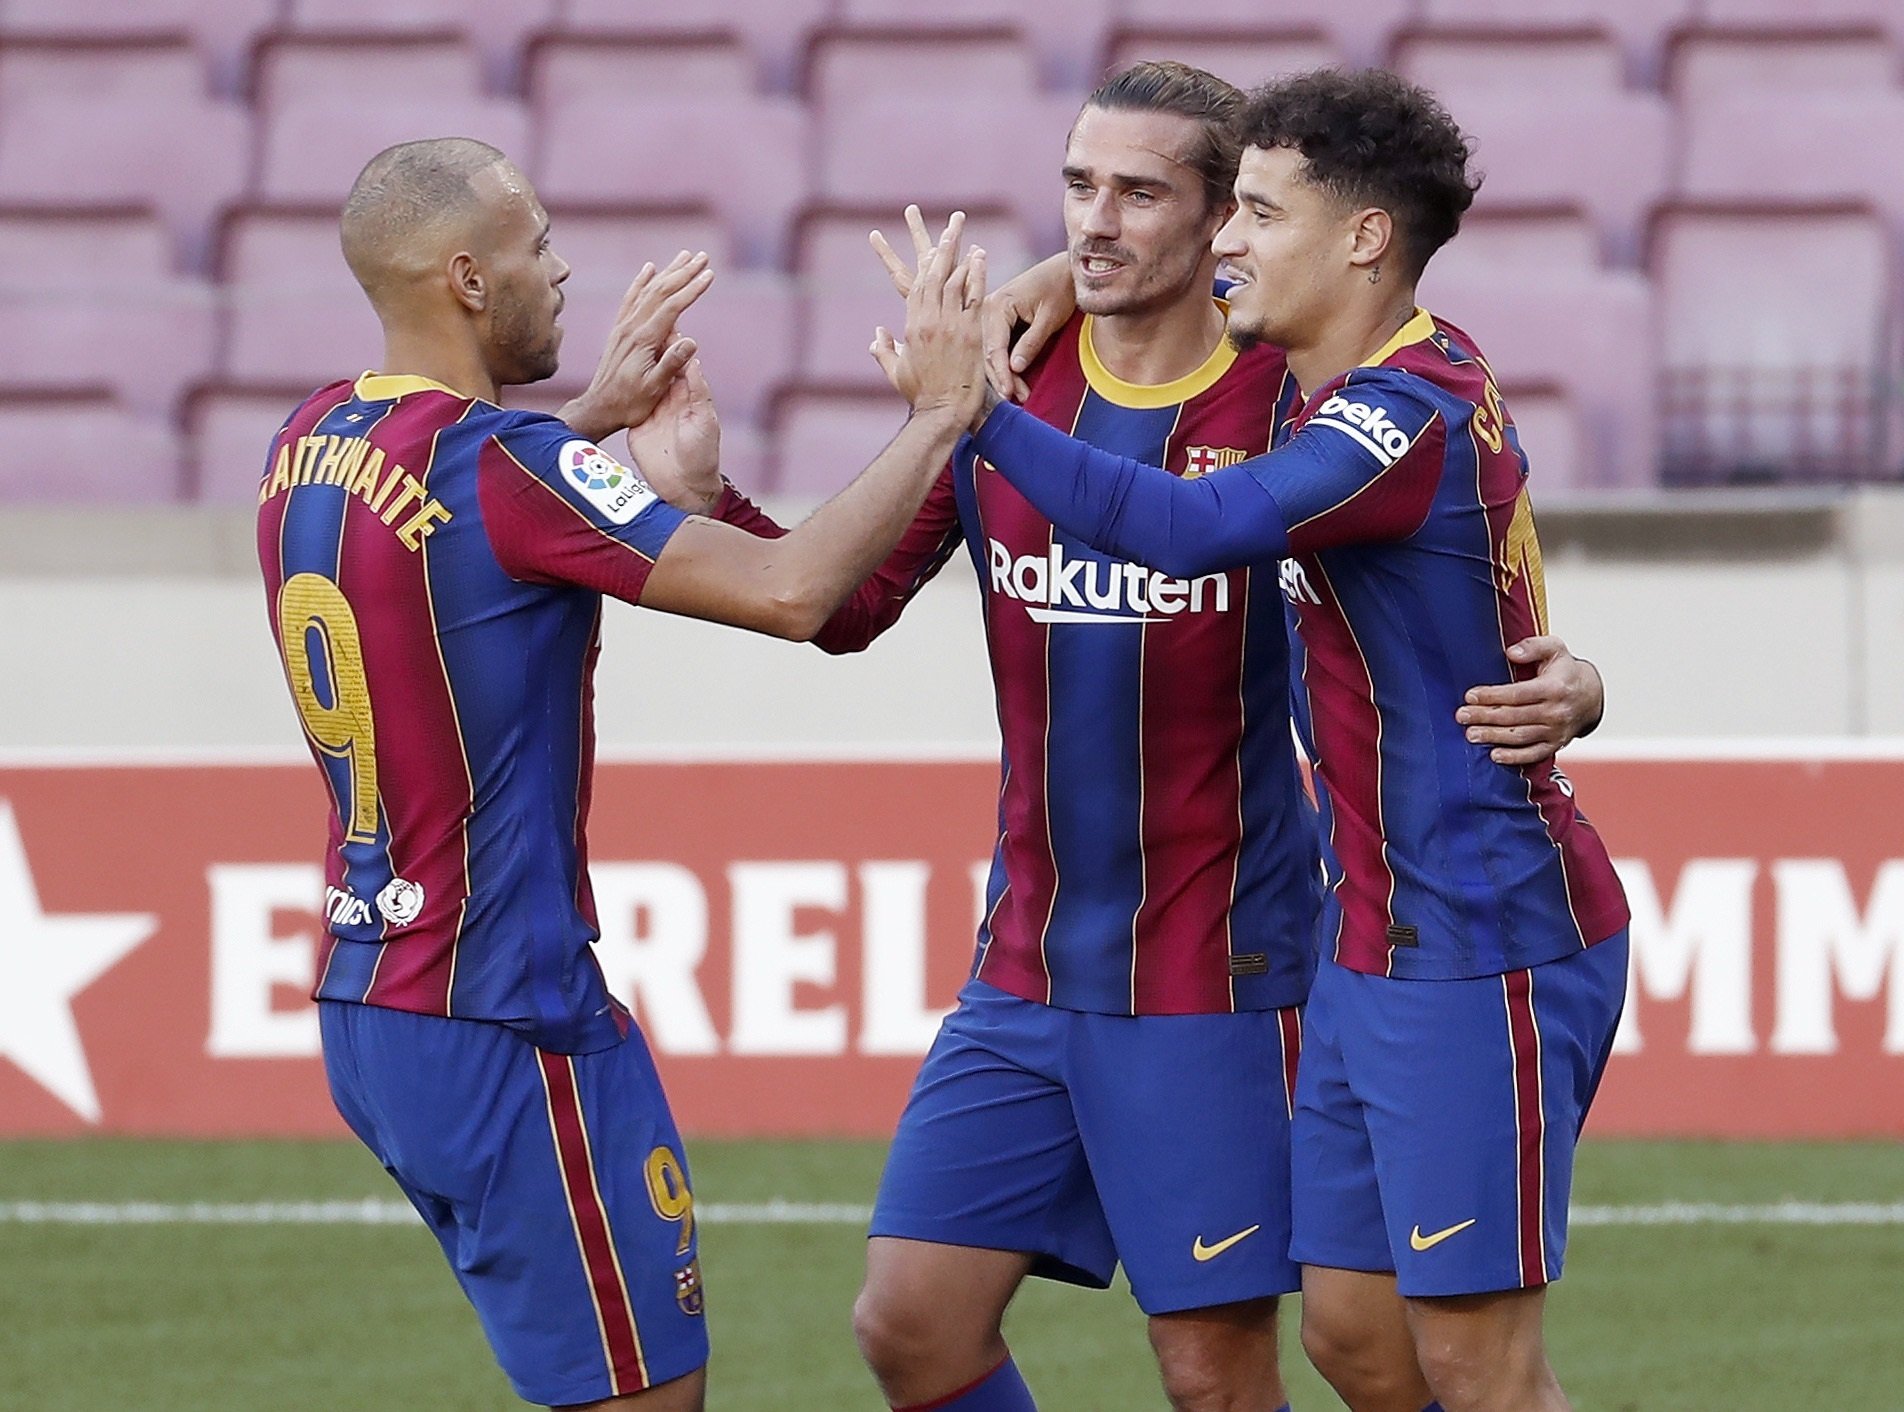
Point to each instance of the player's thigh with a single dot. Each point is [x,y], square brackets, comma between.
[1335,1200]
[987,1152]
[1186,1120]
[561,1193]
[1474,1092]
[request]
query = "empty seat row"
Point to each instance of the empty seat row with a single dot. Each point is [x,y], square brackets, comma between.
[1068,36]
[1717,355]
[902,125]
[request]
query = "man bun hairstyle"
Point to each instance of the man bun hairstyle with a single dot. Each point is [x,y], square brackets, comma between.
[1372,139]
[1216,106]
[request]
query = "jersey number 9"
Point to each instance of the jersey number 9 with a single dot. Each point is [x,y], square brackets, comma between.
[316,626]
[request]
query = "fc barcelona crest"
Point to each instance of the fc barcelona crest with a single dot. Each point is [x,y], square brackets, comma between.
[1201,460]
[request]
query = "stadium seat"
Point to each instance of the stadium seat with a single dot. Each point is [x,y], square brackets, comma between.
[1803,148]
[958,122]
[328,106]
[1765,373]
[1066,35]
[1606,154]
[822,440]
[1245,58]
[1361,31]
[1457,61]
[1586,336]
[774,33]
[228,435]
[1641,26]
[294,315]
[1521,245]
[1709,65]
[115,124]
[84,448]
[496,28]
[744,324]
[691,67]
[88,298]
[612,126]
[1887,15]
[221,30]
[1548,426]
[846,294]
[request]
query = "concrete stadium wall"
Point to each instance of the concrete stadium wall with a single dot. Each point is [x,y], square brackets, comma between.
[1726,617]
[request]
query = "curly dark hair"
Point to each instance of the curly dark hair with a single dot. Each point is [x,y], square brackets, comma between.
[1372,139]
[1166,86]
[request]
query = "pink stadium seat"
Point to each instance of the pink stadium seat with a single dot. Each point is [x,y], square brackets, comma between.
[327,107]
[1709,65]
[822,440]
[1559,457]
[1605,154]
[111,124]
[1361,31]
[84,448]
[744,324]
[1586,334]
[229,434]
[295,316]
[88,298]
[693,67]
[611,128]
[1763,369]
[1805,148]
[1460,61]
[1066,35]
[1641,26]
[1245,58]
[221,30]
[496,28]
[1520,246]
[958,122]
[846,293]
[1814,14]
[774,33]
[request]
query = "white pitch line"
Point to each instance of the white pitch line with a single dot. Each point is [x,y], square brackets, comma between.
[376,1212]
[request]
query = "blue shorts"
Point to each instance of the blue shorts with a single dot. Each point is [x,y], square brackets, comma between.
[1436,1120]
[555,1184]
[1084,1139]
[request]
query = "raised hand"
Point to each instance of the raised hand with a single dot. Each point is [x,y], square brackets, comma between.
[678,448]
[644,354]
[941,363]
[922,247]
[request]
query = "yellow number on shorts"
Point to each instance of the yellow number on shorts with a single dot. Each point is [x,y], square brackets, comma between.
[668,1190]
[1521,555]
[311,606]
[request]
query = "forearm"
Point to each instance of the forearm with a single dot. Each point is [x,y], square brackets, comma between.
[820,562]
[1123,507]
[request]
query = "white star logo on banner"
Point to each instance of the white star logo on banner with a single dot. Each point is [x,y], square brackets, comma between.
[45,962]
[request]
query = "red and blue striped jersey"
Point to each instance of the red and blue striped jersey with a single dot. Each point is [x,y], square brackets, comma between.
[1156,852]
[434,566]
[1414,564]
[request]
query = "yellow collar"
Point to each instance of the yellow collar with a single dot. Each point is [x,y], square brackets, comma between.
[1144,396]
[388,387]
[1419,326]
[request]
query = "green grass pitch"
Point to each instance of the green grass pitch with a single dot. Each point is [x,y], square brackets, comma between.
[1711,1318]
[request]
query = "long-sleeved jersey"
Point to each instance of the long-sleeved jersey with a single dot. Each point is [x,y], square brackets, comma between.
[433,567]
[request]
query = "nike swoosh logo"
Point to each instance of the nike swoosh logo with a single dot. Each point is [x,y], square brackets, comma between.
[1428,1242]
[1210,1252]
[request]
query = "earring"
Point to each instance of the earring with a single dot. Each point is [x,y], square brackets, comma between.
[1375,274]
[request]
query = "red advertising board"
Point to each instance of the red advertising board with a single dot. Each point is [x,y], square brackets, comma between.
[788,930]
